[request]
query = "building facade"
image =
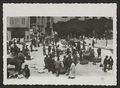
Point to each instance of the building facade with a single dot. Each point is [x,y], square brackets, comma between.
[18,27]
[42,25]
[45,24]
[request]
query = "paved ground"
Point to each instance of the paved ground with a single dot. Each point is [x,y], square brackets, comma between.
[101,43]
[90,71]
[80,69]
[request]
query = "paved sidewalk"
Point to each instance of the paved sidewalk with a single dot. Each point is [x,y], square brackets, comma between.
[83,72]
[101,44]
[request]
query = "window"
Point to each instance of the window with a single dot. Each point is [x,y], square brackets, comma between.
[23,21]
[11,20]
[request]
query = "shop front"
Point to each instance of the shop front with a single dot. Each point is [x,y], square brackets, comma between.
[18,33]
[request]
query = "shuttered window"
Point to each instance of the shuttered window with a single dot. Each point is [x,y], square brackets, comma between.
[11,20]
[23,21]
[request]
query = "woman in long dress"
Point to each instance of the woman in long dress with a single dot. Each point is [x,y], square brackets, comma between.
[72,71]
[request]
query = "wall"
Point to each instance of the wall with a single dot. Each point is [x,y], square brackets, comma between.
[18,23]
[21,22]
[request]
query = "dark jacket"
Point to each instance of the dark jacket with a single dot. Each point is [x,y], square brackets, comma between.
[57,65]
[26,72]
[110,61]
[105,61]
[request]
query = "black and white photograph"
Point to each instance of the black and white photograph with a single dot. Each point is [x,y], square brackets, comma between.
[59,44]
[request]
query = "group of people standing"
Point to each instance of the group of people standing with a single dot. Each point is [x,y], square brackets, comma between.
[60,67]
[108,63]
[71,56]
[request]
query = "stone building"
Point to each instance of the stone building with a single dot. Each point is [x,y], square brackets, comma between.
[42,25]
[18,27]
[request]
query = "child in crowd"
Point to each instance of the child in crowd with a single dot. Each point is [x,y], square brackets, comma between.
[26,71]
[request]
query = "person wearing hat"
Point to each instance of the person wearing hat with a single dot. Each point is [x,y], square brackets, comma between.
[110,63]
[69,62]
[99,52]
[105,63]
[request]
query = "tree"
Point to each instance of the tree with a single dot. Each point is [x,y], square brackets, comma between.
[84,27]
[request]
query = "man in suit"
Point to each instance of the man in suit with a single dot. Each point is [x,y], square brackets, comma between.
[105,63]
[110,63]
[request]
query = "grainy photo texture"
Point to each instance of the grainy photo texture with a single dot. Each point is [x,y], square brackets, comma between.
[59,44]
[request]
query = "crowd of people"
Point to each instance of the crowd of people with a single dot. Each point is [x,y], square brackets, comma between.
[74,53]
[108,63]
[15,46]
[19,51]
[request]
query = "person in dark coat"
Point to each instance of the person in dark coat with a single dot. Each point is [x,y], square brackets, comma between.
[31,47]
[110,63]
[33,42]
[93,42]
[73,50]
[26,71]
[10,42]
[68,51]
[27,51]
[46,62]
[78,47]
[84,45]
[51,63]
[58,52]
[92,54]
[99,52]
[57,66]
[8,74]
[23,49]
[65,62]
[21,56]
[15,49]
[44,50]
[69,62]
[105,63]
[49,49]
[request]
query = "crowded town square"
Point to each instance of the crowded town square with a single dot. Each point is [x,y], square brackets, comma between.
[64,50]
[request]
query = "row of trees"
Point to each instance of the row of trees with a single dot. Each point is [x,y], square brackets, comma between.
[101,27]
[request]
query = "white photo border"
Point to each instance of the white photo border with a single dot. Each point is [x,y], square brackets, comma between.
[97,10]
